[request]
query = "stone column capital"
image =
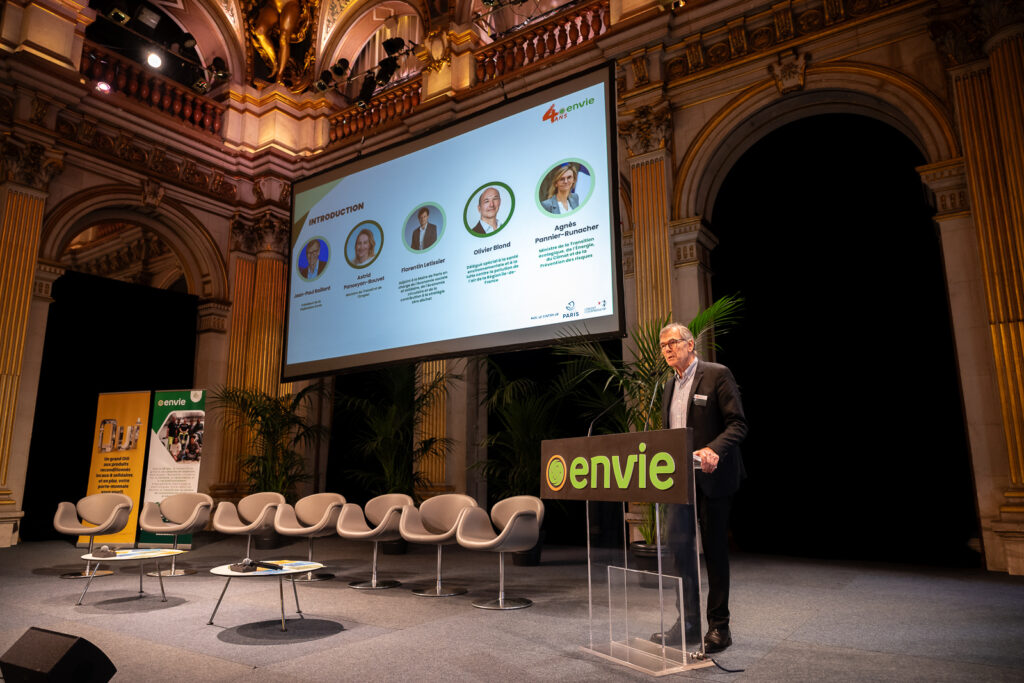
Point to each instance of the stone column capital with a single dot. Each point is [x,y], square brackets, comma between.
[213,316]
[46,274]
[29,163]
[691,241]
[948,182]
[646,129]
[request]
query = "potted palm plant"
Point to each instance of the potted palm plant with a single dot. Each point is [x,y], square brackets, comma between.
[275,431]
[383,415]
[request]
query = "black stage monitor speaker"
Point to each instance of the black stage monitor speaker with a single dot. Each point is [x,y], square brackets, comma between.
[41,655]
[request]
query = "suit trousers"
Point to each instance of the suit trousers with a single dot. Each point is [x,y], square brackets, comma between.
[713,517]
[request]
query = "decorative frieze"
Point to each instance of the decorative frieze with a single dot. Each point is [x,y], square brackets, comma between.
[213,316]
[948,182]
[146,156]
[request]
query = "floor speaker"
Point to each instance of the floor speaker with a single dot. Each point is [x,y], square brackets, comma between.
[41,655]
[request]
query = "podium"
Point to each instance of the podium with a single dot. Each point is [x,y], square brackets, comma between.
[629,605]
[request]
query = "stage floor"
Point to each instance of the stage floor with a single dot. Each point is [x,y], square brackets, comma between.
[792,619]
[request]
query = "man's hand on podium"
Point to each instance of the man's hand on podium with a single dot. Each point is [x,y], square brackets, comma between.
[707,458]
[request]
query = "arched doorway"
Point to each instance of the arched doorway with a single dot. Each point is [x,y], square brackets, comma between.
[845,355]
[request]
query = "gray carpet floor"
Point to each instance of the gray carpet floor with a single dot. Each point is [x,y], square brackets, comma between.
[792,619]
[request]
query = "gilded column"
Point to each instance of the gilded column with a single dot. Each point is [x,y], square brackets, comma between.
[987,93]
[646,134]
[266,331]
[244,243]
[1006,58]
[25,173]
[434,424]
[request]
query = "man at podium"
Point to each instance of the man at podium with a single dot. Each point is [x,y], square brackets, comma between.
[703,396]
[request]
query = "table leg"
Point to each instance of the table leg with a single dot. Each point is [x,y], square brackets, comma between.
[163,596]
[280,586]
[88,583]
[217,606]
[297,608]
[141,562]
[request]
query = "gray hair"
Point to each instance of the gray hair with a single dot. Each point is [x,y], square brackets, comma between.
[680,329]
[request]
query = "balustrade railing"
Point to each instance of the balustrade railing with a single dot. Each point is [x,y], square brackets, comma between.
[390,105]
[131,80]
[556,36]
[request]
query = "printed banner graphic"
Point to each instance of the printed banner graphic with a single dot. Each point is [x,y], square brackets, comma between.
[118,454]
[175,449]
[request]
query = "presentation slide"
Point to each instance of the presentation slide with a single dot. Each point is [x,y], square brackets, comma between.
[499,232]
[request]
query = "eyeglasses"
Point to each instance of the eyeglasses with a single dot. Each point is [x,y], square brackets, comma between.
[671,343]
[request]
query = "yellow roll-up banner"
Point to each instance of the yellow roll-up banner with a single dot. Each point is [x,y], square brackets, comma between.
[118,455]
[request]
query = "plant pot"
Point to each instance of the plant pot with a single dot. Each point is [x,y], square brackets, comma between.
[531,557]
[396,547]
[645,557]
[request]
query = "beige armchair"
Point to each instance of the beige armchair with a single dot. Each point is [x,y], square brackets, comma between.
[384,513]
[253,514]
[312,517]
[106,513]
[435,523]
[181,513]
[518,521]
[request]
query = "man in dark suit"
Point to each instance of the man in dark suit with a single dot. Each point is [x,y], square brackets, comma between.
[704,397]
[426,233]
[314,266]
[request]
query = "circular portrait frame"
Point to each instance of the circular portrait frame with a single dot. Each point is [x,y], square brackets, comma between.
[303,261]
[548,177]
[413,217]
[475,194]
[377,246]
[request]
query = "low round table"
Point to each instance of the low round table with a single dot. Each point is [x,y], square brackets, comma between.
[286,568]
[139,555]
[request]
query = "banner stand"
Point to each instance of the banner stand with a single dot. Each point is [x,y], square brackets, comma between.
[639,603]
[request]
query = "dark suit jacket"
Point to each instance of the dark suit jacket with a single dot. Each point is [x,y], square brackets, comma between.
[479,229]
[719,425]
[428,239]
[320,269]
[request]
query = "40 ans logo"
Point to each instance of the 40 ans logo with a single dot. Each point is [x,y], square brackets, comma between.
[556,113]
[555,472]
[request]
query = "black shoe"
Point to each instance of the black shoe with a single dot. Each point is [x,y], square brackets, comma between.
[672,637]
[717,639]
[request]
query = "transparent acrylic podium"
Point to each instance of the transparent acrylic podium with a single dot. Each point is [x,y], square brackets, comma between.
[628,606]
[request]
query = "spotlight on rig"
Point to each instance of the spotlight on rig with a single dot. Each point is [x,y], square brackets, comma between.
[387,68]
[366,90]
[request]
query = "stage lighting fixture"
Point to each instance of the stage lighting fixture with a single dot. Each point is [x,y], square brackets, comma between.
[154,59]
[340,68]
[118,12]
[393,45]
[147,17]
[201,86]
[366,90]
[188,41]
[388,67]
[324,82]
[103,87]
[219,69]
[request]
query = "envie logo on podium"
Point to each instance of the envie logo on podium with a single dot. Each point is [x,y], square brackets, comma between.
[649,466]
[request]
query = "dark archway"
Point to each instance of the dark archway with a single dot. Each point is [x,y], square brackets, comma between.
[845,355]
[101,336]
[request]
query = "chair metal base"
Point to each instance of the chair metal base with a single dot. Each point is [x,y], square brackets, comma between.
[503,603]
[370,585]
[86,575]
[174,572]
[434,592]
[310,576]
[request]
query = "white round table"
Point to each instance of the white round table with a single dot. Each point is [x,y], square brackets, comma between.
[139,555]
[285,568]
